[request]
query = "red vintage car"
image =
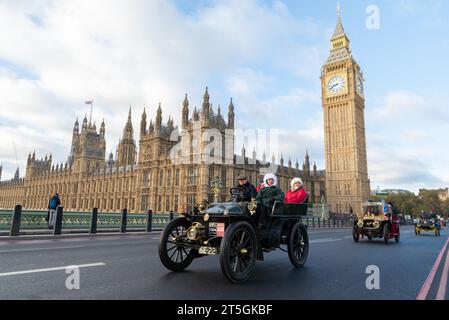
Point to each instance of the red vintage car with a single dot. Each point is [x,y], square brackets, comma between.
[376,223]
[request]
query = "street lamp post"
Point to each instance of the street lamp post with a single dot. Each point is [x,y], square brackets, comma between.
[216,185]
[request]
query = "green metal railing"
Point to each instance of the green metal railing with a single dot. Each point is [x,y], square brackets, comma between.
[36,220]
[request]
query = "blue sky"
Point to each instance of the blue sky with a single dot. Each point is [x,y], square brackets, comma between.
[267,55]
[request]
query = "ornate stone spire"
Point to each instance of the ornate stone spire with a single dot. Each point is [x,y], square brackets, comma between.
[159,118]
[128,130]
[185,112]
[231,115]
[339,30]
[143,123]
[340,48]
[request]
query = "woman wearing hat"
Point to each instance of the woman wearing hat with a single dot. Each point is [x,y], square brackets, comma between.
[267,197]
[296,194]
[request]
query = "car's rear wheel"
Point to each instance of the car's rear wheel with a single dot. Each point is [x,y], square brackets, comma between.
[172,252]
[397,238]
[298,245]
[386,232]
[238,250]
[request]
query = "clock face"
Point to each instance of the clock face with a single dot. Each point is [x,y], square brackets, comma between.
[336,84]
[359,86]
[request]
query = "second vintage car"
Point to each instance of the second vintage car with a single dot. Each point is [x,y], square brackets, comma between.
[376,222]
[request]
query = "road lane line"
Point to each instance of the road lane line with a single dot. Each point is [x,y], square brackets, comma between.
[441,294]
[39,249]
[14,273]
[422,295]
[324,240]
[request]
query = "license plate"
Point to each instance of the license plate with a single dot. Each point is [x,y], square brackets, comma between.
[207,250]
[217,229]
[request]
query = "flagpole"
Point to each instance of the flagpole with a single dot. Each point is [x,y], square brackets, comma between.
[91,107]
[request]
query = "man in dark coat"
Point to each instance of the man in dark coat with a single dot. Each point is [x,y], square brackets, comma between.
[249,191]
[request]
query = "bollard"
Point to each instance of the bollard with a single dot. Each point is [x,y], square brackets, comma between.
[15,223]
[328,222]
[333,220]
[319,223]
[58,223]
[149,226]
[123,220]
[93,221]
[313,222]
[171,215]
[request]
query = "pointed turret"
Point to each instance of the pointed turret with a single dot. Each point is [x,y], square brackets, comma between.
[159,118]
[340,44]
[128,131]
[206,98]
[102,129]
[143,124]
[76,127]
[185,112]
[205,111]
[84,123]
[17,174]
[306,164]
[231,115]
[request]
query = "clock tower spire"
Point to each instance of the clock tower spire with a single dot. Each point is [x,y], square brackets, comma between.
[343,101]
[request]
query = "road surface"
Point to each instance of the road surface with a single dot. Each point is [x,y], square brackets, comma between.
[128,267]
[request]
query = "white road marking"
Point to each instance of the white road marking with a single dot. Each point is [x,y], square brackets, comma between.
[51,269]
[40,249]
[324,240]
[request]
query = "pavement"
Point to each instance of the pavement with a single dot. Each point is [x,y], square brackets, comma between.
[127,266]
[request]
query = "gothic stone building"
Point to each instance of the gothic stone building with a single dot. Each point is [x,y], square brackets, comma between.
[151,176]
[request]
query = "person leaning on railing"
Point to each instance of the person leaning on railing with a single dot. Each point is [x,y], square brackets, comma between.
[53,205]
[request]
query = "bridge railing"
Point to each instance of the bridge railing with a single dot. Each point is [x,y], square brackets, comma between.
[18,221]
[328,223]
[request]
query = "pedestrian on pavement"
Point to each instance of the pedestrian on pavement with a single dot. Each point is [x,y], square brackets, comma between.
[53,205]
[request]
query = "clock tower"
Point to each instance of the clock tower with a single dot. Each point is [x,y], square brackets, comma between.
[342,81]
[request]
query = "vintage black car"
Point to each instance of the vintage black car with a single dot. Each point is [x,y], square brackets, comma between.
[230,231]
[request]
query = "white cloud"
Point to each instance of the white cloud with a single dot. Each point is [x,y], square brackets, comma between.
[404,138]
[61,53]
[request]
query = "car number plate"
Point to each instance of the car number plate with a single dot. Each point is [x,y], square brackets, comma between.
[217,229]
[208,250]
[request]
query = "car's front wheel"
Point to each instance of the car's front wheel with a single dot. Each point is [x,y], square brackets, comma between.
[173,253]
[238,250]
